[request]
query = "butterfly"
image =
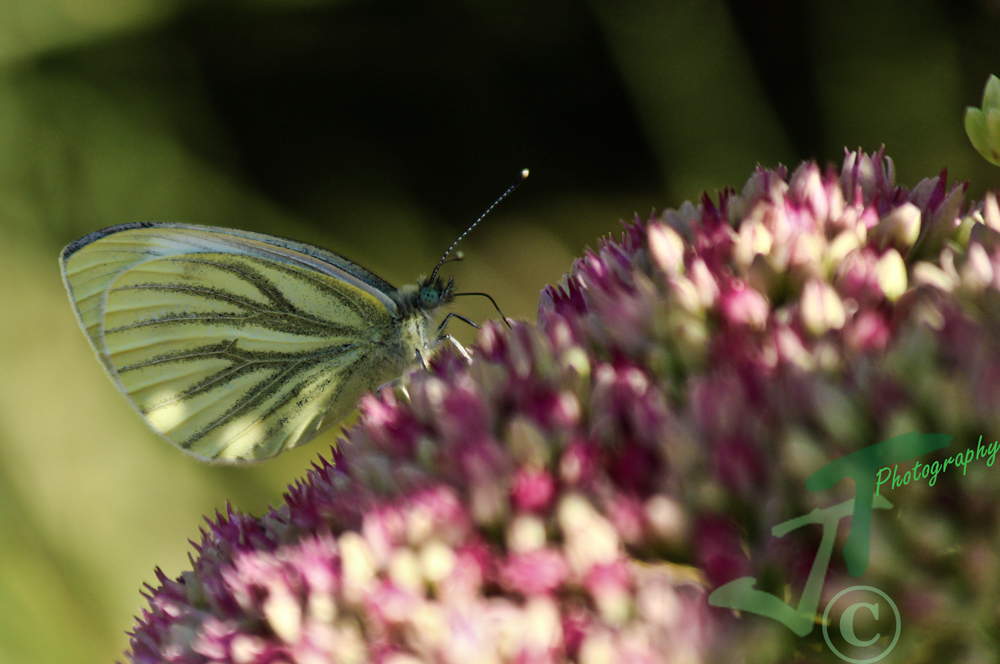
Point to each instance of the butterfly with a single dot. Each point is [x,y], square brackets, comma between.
[236,346]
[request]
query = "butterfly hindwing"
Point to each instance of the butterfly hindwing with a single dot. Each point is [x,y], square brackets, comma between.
[232,345]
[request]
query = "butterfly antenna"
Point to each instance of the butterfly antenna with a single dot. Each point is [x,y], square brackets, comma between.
[444,259]
[457,258]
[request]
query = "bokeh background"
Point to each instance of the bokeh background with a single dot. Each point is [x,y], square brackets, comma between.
[380,129]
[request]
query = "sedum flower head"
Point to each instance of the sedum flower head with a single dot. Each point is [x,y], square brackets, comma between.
[576,491]
[983,124]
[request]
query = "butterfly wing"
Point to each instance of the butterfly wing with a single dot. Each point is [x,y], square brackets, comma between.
[232,345]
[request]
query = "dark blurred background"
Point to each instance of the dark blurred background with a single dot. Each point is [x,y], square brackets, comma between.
[380,129]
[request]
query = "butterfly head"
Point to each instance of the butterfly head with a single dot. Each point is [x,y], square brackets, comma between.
[426,296]
[433,292]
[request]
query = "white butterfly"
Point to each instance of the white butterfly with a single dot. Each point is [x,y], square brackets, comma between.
[236,345]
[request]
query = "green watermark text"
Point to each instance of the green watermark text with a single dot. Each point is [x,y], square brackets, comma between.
[930,471]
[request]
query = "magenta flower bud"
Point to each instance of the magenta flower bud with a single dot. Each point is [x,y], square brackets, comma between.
[857,276]
[532,491]
[869,331]
[742,306]
[474,565]
[868,176]
[667,247]
[898,229]
[579,464]
[535,573]
[761,187]
[628,515]
[610,585]
[821,309]
[719,551]
[821,200]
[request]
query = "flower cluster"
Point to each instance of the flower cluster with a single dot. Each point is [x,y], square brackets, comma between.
[576,491]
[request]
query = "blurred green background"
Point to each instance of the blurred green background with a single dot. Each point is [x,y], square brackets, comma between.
[379,129]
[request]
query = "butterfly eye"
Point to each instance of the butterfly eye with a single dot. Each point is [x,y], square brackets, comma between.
[430,296]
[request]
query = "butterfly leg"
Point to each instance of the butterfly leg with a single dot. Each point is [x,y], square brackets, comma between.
[459,347]
[461,318]
[391,385]
[454,342]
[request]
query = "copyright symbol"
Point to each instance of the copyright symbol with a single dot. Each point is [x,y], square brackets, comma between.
[866,618]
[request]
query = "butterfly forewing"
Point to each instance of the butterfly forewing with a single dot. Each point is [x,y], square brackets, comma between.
[232,346]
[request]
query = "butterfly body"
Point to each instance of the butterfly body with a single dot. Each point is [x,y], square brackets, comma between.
[236,345]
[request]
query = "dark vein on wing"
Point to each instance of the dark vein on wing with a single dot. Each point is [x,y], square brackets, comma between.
[283,307]
[234,371]
[315,389]
[269,290]
[207,293]
[252,398]
[341,297]
[252,277]
[215,352]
